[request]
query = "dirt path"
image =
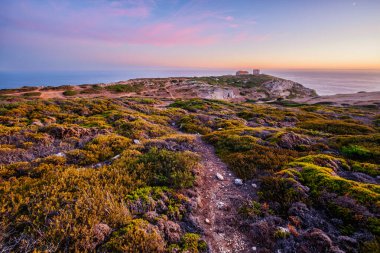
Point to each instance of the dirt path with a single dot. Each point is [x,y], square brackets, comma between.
[218,202]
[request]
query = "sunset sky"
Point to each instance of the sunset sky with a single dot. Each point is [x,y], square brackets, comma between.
[100,34]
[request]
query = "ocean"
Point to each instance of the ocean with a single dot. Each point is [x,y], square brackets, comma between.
[324,82]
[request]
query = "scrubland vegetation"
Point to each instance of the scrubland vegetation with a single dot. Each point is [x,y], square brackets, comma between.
[316,167]
[114,175]
[87,175]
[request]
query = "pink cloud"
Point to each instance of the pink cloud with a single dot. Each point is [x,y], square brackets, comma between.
[168,34]
[229,18]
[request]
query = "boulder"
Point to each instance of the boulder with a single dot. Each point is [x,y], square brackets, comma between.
[315,240]
[100,232]
[292,140]
[170,229]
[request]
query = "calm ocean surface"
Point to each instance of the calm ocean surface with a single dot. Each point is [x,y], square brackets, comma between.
[324,82]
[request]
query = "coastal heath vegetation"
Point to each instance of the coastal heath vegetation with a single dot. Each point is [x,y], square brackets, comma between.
[116,175]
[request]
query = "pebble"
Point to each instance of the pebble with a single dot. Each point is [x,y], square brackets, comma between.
[115,157]
[254,185]
[219,176]
[207,221]
[135,141]
[254,248]
[60,154]
[97,166]
[220,205]
[238,181]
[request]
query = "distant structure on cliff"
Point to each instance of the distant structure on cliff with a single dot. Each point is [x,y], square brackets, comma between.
[256,72]
[242,73]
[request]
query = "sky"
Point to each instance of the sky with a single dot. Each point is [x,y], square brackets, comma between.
[40,35]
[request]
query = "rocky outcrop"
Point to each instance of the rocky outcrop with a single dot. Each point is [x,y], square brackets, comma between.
[292,140]
[287,89]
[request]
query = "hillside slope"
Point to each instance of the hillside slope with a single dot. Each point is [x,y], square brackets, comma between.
[232,88]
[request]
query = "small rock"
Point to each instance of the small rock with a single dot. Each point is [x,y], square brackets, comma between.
[254,185]
[283,230]
[37,123]
[100,232]
[238,181]
[115,157]
[207,221]
[220,128]
[254,248]
[97,166]
[219,176]
[60,154]
[220,205]
[135,141]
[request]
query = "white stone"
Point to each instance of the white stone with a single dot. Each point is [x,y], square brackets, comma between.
[98,165]
[135,141]
[254,248]
[220,205]
[238,181]
[207,221]
[115,157]
[283,230]
[219,176]
[60,154]
[254,185]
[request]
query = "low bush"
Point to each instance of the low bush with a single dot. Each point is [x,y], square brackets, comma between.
[244,155]
[69,93]
[137,236]
[283,192]
[355,151]
[101,148]
[31,94]
[336,127]
[192,124]
[118,88]
[167,168]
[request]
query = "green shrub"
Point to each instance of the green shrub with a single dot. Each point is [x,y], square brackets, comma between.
[356,151]
[336,127]
[192,243]
[118,88]
[192,124]
[367,168]
[31,94]
[244,156]
[70,93]
[284,191]
[138,236]
[101,148]
[167,168]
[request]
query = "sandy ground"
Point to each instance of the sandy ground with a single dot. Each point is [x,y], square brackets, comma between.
[362,98]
